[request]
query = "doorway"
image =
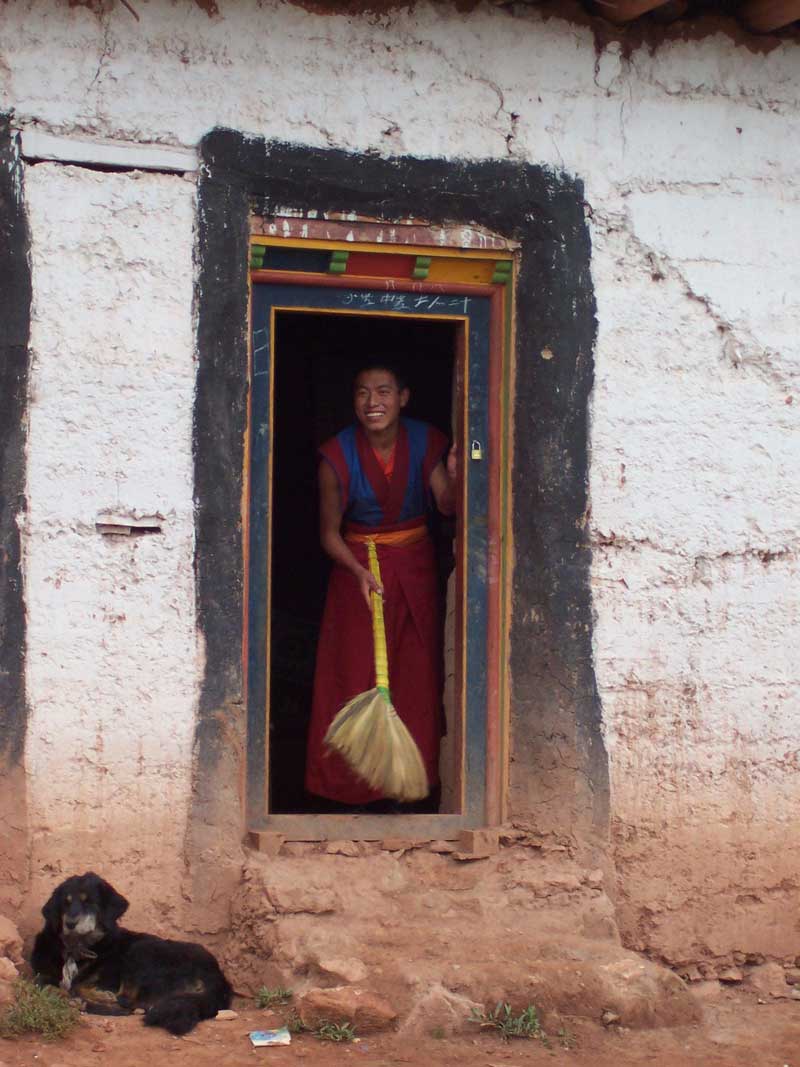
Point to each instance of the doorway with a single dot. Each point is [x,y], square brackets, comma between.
[307,330]
[315,357]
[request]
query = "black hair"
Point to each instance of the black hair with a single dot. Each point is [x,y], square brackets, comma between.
[382,364]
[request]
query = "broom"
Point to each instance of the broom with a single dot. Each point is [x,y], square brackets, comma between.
[369,734]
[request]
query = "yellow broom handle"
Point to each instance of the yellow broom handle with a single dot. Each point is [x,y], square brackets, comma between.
[378,627]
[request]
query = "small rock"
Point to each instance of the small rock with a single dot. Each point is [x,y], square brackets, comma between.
[10,940]
[363,1009]
[8,975]
[691,974]
[795,993]
[396,844]
[792,975]
[440,1012]
[708,971]
[343,971]
[609,1018]
[769,980]
[707,991]
[443,847]
[730,974]
[343,848]
[227,1013]
[594,879]
[468,857]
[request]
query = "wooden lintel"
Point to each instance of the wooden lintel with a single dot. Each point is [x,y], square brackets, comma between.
[765,16]
[621,11]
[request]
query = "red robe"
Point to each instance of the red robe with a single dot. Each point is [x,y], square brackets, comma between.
[345,660]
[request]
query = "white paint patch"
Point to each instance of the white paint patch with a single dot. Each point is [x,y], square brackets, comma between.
[112,663]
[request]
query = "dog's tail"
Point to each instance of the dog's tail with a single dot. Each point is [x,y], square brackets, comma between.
[181,1012]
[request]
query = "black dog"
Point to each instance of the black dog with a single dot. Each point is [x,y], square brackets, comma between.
[114,970]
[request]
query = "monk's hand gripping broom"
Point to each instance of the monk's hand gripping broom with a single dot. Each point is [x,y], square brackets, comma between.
[369,734]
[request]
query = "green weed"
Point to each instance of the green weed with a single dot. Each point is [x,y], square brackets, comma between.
[40,1010]
[509,1025]
[295,1024]
[335,1032]
[272,998]
[566,1038]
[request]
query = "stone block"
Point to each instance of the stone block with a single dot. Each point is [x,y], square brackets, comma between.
[485,842]
[268,843]
[364,1010]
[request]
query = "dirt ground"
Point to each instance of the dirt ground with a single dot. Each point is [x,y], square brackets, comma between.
[736,1030]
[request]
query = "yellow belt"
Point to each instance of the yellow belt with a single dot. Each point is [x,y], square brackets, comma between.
[398,538]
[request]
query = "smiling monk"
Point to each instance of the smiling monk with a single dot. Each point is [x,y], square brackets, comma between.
[378,480]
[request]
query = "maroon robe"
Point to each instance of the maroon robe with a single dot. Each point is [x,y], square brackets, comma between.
[345,656]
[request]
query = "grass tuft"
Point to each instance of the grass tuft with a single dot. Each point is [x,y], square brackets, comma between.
[335,1032]
[42,1010]
[509,1025]
[267,997]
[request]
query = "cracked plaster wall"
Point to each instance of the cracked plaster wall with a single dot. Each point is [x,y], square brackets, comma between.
[112,651]
[690,158]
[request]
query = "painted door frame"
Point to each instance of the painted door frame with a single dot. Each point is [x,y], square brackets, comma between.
[481,554]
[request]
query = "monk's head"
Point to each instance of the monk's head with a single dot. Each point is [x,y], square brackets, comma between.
[379,395]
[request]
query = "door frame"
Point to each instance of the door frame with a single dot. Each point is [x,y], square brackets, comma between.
[490,808]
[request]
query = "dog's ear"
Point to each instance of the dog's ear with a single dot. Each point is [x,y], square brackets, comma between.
[52,910]
[112,903]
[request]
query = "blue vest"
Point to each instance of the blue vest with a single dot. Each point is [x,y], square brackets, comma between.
[361,506]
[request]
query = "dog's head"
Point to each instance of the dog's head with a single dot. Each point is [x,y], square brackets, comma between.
[84,907]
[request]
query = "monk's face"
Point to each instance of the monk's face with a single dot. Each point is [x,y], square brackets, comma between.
[378,400]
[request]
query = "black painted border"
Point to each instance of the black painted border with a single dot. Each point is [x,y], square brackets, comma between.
[554,698]
[15,313]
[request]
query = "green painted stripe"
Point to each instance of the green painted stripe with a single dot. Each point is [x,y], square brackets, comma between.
[338,263]
[422,264]
[502,272]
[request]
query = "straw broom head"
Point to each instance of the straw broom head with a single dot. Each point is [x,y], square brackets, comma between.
[373,739]
[369,734]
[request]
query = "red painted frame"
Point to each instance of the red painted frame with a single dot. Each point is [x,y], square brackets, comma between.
[496,295]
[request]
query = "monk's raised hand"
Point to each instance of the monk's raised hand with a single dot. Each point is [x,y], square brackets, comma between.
[368,584]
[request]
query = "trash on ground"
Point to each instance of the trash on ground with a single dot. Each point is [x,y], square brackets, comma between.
[271,1037]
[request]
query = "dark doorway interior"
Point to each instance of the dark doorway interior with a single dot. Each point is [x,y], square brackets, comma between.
[316,356]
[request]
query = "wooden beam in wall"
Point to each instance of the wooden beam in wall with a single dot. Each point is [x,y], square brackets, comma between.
[764,16]
[621,11]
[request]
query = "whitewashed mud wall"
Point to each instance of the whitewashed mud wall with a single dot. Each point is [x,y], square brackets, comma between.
[690,158]
[112,650]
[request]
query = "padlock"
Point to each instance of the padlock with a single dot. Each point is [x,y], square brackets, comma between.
[476,450]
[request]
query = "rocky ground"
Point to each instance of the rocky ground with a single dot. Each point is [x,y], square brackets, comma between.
[735,1031]
[410,944]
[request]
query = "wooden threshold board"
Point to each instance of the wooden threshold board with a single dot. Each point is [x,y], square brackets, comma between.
[365,827]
